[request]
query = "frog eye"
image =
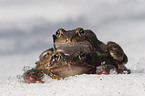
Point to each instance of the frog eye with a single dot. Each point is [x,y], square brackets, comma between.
[82,56]
[56,57]
[54,60]
[58,34]
[81,32]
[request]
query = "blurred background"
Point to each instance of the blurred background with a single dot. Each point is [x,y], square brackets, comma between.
[27,26]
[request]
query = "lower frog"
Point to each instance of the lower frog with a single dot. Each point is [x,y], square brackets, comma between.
[62,65]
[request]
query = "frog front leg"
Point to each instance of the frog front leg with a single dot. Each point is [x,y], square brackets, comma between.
[53,75]
[123,70]
[33,76]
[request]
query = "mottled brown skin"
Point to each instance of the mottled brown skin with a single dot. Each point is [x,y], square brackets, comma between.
[77,40]
[62,65]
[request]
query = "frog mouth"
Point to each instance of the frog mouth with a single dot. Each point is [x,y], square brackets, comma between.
[66,71]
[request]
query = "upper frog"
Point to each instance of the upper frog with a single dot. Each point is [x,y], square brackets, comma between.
[77,40]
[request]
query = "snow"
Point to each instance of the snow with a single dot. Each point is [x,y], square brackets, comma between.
[26,28]
[83,85]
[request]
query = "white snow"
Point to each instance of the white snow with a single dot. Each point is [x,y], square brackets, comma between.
[26,28]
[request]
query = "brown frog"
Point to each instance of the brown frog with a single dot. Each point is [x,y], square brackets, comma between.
[77,40]
[62,65]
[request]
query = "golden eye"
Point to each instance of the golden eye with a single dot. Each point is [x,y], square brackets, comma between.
[54,60]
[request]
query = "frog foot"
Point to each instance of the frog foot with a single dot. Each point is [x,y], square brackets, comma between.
[33,76]
[54,76]
[106,69]
[123,70]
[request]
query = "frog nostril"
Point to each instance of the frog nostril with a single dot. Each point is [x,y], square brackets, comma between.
[66,39]
[82,56]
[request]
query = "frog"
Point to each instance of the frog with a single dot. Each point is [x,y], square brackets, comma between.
[62,65]
[76,40]
[49,63]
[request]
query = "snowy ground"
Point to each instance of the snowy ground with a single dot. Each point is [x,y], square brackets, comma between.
[26,28]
